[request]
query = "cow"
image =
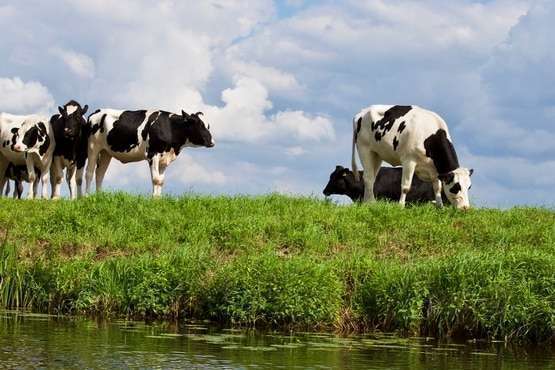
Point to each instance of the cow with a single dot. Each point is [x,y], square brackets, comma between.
[416,139]
[29,141]
[131,136]
[387,186]
[70,153]
[19,174]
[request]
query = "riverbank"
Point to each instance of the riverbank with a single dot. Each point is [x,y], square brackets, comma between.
[282,261]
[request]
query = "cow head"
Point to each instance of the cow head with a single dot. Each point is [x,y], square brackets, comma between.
[72,115]
[198,133]
[456,185]
[342,181]
[31,137]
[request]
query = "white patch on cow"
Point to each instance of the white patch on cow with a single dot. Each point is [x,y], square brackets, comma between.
[70,109]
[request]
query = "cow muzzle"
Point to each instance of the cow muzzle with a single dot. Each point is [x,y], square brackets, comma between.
[18,148]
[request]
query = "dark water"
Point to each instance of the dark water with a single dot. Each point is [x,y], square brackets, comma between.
[41,341]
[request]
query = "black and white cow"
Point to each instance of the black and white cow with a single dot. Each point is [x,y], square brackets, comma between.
[69,127]
[29,141]
[19,175]
[419,141]
[386,186]
[131,136]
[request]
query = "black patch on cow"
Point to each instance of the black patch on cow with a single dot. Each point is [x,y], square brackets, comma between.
[31,137]
[389,118]
[455,188]
[395,143]
[93,113]
[149,122]
[441,151]
[123,136]
[98,126]
[377,136]
[44,146]
[359,123]
[402,126]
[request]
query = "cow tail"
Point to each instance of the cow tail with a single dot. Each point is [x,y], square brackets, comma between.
[7,187]
[353,159]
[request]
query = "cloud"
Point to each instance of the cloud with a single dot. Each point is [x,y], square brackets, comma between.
[243,118]
[80,64]
[19,97]
[189,171]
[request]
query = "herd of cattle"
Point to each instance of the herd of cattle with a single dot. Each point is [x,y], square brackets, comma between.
[34,149]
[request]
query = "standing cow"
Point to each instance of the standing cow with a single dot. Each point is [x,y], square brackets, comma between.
[386,186]
[416,139]
[29,141]
[131,136]
[70,132]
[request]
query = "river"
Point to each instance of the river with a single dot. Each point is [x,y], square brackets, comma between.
[41,341]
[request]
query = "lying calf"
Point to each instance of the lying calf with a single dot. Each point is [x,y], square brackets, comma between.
[19,174]
[387,186]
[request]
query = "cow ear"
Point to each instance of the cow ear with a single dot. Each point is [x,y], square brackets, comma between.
[84,110]
[62,111]
[338,168]
[446,177]
[184,114]
[470,172]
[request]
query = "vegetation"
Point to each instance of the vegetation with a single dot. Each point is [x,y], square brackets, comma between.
[276,260]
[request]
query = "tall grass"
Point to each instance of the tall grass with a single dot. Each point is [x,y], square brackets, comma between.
[275,260]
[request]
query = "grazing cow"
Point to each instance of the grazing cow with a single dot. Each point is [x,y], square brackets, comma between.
[29,141]
[419,141]
[70,132]
[131,136]
[386,186]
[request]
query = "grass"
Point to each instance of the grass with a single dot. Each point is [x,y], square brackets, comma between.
[281,261]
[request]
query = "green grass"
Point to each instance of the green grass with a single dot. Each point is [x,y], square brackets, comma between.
[281,261]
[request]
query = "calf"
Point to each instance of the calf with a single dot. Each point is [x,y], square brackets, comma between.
[19,174]
[386,186]
[69,129]
[419,141]
[131,136]
[29,141]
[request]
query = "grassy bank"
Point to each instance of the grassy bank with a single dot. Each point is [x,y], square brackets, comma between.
[275,260]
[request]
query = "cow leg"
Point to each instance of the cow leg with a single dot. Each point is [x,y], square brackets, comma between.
[92,158]
[56,172]
[406,180]
[157,180]
[18,191]
[3,167]
[371,163]
[71,182]
[103,163]
[79,181]
[33,187]
[437,192]
[161,176]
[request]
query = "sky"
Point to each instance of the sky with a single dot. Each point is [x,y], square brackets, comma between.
[279,82]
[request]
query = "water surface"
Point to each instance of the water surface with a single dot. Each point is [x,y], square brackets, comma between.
[34,340]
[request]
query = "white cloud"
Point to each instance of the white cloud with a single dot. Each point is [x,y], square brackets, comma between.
[19,97]
[295,151]
[80,64]
[243,118]
[188,171]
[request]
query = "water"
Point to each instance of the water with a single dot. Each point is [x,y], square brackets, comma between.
[42,341]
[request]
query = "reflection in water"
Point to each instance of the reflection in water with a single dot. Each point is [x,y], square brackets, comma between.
[31,340]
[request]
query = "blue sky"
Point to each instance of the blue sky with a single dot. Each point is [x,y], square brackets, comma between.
[280,81]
